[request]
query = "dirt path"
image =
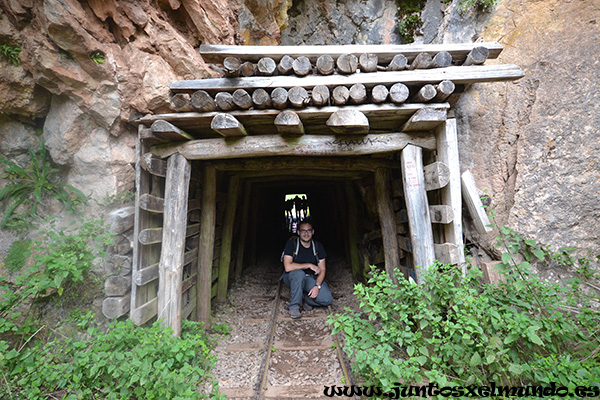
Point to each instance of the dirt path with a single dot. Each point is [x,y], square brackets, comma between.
[303,358]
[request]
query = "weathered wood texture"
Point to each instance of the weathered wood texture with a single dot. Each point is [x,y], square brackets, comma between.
[457,74]
[114,307]
[437,175]
[474,205]
[441,214]
[306,145]
[320,95]
[385,210]
[348,122]
[326,164]
[205,249]
[289,123]
[447,144]
[170,268]
[203,101]
[168,131]
[425,119]
[417,206]
[385,53]
[353,241]
[227,125]
[241,245]
[226,240]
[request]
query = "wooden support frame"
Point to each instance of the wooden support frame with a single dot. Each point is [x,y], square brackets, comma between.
[474,205]
[353,231]
[170,267]
[417,207]
[385,209]
[239,262]
[225,259]
[205,249]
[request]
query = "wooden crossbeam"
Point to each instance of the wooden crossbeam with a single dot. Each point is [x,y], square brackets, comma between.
[306,145]
[441,214]
[227,125]
[447,253]
[151,203]
[145,312]
[289,123]
[166,130]
[437,175]
[316,163]
[417,77]
[114,307]
[153,164]
[348,121]
[149,274]
[385,53]
[424,120]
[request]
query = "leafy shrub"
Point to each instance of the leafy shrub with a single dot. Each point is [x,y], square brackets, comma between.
[126,362]
[17,255]
[30,186]
[454,331]
[410,21]
[98,57]
[10,53]
[480,5]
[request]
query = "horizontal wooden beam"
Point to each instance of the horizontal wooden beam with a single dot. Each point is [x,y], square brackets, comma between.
[151,203]
[307,145]
[417,77]
[144,313]
[327,164]
[114,307]
[441,214]
[149,274]
[446,253]
[227,125]
[385,53]
[154,235]
[425,119]
[166,130]
[153,165]
[348,121]
[437,175]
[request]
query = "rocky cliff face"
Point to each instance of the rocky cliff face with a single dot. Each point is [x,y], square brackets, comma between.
[532,145]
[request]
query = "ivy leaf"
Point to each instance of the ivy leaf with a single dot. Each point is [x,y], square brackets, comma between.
[475,360]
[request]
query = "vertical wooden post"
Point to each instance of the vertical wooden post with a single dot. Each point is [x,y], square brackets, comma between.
[253,225]
[353,232]
[417,207]
[170,267]
[447,148]
[207,239]
[225,259]
[385,209]
[239,262]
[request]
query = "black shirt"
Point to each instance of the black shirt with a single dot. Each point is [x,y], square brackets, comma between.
[305,255]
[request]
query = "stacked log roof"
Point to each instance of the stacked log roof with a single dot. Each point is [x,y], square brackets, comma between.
[324,90]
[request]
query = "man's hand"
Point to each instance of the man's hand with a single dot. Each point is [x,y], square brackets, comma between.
[315,268]
[314,292]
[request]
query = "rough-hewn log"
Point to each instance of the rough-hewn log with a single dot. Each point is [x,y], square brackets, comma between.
[385,211]
[320,95]
[347,63]
[247,69]
[368,62]
[417,207]
[444,89]
[266,66]
[170,268]
[206,247]
[244,221]
[167,130]
[398,63]
[228,225]
[242,99]
[227,125]
[421,61]
[307,145]
[153,165]
[301,66]
[261,98]
[299,97]
[151,203]
[425,119]
[181,102]
[325,64]
[232,66]
[114,307]
[202,101]
[348,122]
[425,94]
[399,93]
[224,101]
[477,56]
[474,205]
[437,175]
[441,214]
[441,60]
[358,93]
[379,94]
[340,95]
[446,253]
[289,123]
[279,98]
[285,65]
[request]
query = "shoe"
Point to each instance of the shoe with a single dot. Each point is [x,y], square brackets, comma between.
[295,312]
[305,305]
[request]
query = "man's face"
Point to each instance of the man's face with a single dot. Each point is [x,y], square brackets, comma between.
[305,231]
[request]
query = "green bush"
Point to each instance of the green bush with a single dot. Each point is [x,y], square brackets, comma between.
[30,186]
[17,255]
[455,331]
[126,362]
[480,5]
[10,53]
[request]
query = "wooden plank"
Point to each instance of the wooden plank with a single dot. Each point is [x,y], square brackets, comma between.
[188,283]
[144,313]
[189,308]
[384,53]
[353,241]
[149,274]
[306,145]
[148,137]
[153,164]
[239,261]
[437,175]
[227,125]
[155,235]
[316,163]
[417,77]
[170,267]
[151,203]
[474,205]
[441,214]
[417,207]
[385,211]
[115,307]
[225,259]
[404,243]
[168,131]
[205,250]
[447,253]
[424,120]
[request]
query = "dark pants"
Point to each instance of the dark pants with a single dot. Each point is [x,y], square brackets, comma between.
[300,282]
